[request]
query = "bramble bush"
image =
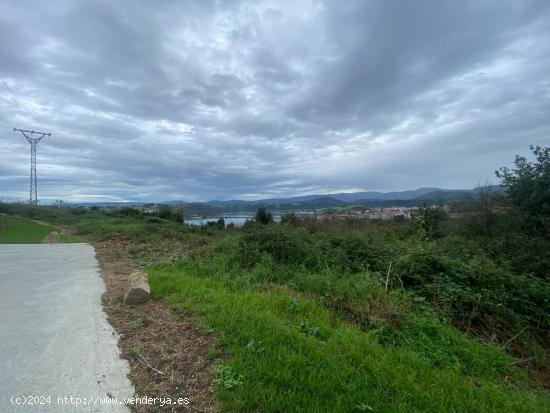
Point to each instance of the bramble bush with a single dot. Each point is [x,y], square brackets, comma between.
[452,274]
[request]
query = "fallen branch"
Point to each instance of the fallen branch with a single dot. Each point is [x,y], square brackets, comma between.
[148,365]
[516,336]
[523,361]
[396,276]
[388,277]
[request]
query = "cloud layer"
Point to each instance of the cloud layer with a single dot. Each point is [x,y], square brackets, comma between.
[202,100]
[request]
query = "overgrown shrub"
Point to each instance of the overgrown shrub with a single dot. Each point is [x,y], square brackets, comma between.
[473,291]
[353,251]
[453,275]
[285,245]
[428,221]
[263,216]
[345,251]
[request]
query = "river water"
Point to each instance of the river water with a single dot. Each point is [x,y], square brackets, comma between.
[229,219]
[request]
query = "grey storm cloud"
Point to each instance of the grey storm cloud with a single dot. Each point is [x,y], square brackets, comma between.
[200,100]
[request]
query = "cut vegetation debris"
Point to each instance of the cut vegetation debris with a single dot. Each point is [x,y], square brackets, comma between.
[167,351]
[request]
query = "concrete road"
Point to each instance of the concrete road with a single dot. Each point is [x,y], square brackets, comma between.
[54,337]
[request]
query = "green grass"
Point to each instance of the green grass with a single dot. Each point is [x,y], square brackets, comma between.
[16,230]
[70,238]
[289,351]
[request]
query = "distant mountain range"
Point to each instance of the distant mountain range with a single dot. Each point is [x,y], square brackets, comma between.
[346,198]
[369,198]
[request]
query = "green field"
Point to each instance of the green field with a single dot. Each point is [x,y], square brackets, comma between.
[14,230]
[288,352]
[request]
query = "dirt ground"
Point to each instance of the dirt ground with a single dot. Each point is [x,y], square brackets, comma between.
[51,238]
[167,350]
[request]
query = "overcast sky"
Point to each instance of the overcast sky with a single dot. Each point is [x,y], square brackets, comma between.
[199,100]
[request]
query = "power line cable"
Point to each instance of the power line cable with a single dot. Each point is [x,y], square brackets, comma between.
[19,102]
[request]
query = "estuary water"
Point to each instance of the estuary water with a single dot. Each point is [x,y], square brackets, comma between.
[239,219]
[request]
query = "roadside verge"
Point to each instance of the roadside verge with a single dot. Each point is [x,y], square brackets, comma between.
[167,350]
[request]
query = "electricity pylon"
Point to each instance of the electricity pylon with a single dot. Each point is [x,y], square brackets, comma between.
[29,135]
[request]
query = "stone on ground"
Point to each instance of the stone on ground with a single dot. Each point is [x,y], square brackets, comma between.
[137,288]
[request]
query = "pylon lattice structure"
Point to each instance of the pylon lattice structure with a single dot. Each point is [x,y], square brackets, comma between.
[30,136]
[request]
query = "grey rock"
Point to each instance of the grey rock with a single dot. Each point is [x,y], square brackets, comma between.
[137,289]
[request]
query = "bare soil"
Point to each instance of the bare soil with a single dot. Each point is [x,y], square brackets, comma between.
[51,238]
[167,350]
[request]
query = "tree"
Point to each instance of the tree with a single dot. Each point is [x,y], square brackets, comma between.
[165,212]
[428,220]
[178,216]
[129,211]
[484,214]
[263,216]
[290,218]
[528,188]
